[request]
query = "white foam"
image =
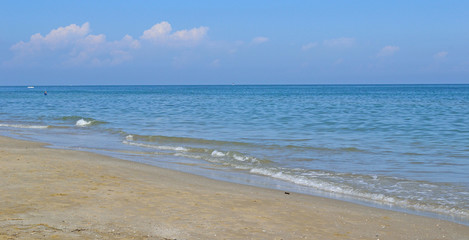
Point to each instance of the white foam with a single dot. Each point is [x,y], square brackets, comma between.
[325,186]
[181,149]
[23,126]
[240,158]
[82,123]
[187,155]
[216,153]
[301,180]
[129,137]
[173,148]
[349,191]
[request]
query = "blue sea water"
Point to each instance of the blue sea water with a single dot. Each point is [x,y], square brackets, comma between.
[404,146]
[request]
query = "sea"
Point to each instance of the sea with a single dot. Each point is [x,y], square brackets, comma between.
[399,147]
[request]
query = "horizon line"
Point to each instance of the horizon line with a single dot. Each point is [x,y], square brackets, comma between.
[234,84]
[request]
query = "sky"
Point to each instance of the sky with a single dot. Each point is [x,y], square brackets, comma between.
[176,42]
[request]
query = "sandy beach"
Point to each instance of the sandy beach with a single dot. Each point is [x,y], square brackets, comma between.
[62,194]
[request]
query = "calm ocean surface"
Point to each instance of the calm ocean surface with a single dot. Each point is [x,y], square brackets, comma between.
[402,146]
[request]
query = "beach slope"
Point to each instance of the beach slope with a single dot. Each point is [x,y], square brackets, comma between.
[62,194]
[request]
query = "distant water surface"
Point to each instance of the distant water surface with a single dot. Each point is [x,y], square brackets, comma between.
[398,145]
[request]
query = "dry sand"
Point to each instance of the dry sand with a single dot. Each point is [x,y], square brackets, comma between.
[61,194]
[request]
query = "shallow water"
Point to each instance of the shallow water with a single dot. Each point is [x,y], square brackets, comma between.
[399,145]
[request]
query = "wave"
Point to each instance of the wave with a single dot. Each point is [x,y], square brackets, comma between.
[24,126]
[185,140]
[129,142]
[216,153]
[314,180]
[218,143]
[80,121]
[87,122]
[227,158]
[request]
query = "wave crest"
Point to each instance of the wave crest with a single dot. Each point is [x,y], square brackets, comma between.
[85,122]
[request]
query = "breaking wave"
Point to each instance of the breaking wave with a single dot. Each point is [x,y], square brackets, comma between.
[87,122]
[226,158]
[314,179]
[80,121]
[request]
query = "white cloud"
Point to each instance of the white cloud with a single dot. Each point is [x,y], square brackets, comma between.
[95,50]
[195,34]
[74,45]
[259,40]
[440,55]
[308,46]
[339,42]
[388,51]
[160,33]
[55,39]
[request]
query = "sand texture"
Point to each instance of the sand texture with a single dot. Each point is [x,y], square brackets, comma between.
[61,194]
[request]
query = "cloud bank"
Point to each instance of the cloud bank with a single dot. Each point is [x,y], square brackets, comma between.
[75,45]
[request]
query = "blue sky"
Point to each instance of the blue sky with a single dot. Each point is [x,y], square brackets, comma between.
[242,42]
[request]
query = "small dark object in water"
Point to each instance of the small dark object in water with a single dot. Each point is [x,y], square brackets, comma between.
[287,193]
[45,92]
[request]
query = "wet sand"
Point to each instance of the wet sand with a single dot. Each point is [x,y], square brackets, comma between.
[61,194]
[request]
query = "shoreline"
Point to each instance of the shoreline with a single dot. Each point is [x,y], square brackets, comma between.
[80,195]
[259,181]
